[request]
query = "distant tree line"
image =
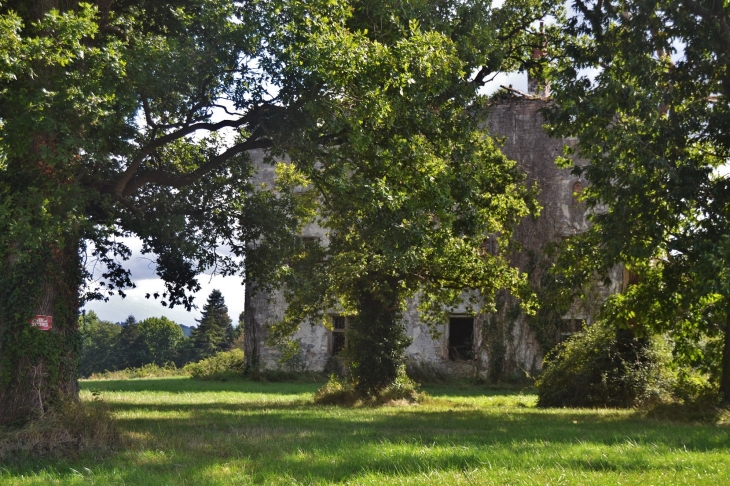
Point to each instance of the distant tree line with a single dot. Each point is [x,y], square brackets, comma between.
[109,346]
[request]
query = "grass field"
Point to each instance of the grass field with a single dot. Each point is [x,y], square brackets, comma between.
[178,431]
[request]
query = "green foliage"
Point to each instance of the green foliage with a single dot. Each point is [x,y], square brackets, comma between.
[149,370]
[554,294]
[653,124]
[113,125]
[411,184]
[98,348]
[605,367]
[215,330]
[376,340]
[108,347]
[335,392]
[222,365]
[160,338]
[106,132]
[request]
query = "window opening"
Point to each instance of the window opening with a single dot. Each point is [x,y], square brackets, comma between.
[570,327]
[309,241]
[490,245]
[461,338]
[339,325]
[577,189]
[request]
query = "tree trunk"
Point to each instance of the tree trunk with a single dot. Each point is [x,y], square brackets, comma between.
[376,340]
[250,334]
[38,368]
[725,370]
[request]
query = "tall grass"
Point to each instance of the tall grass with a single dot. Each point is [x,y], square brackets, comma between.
[181,431]
[150,370]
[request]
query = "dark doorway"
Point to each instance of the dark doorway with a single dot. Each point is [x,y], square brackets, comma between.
[461,338]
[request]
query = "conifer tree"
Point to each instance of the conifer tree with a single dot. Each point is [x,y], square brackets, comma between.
[215,330]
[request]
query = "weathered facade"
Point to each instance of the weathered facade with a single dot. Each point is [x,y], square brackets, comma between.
[498,344]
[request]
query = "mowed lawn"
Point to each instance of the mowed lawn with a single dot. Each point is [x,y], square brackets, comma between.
[184,432]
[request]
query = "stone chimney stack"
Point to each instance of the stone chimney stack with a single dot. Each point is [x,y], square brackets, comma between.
[536,84]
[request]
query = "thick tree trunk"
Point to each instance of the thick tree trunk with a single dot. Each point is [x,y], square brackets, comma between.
[376,340]
[250,334]
[725,370]
[38,368]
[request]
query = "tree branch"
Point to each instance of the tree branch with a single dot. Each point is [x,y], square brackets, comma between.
[121,185]
[179,180]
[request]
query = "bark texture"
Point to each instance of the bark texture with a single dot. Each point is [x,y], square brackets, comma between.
[725,371]
[38,369]
[250,335]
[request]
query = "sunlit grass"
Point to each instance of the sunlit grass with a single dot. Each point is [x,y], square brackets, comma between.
[178,431]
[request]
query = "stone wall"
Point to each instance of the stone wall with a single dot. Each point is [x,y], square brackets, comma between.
[504,344]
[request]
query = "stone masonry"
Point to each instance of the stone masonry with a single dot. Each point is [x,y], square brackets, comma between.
[462,346]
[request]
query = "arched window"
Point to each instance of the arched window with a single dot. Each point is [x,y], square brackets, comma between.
[577,189]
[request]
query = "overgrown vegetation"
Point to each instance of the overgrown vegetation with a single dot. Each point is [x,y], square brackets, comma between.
[150,370]
[222,365]
[602,366]
[653,128]
[73,429]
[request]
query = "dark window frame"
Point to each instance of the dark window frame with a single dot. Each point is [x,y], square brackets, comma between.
[337,337]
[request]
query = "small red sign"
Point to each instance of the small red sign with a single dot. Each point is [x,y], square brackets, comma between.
[44,323]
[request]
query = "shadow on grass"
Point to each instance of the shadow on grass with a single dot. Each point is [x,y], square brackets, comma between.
[189,385]
[262,442]
[476,391]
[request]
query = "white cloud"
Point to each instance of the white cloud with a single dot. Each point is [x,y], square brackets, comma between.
[117,309]
[143,275]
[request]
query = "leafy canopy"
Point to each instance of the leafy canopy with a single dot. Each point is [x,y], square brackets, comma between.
[411,185]
[644,86]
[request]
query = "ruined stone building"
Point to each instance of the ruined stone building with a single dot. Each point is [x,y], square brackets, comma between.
[503,343]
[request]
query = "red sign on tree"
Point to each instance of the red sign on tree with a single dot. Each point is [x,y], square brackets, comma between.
[44,323]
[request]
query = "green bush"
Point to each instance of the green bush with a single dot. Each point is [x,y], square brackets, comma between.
[222,365]
[603,367]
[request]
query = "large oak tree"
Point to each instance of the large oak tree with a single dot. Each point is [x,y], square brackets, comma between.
[138,117]
[414,185]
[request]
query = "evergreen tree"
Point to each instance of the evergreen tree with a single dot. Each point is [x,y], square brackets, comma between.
[215,330]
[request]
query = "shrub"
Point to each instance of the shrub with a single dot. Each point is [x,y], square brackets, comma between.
[222,365]
[603,367]
[336,392]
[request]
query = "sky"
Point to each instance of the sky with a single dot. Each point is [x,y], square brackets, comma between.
[143,270]
[143,275]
